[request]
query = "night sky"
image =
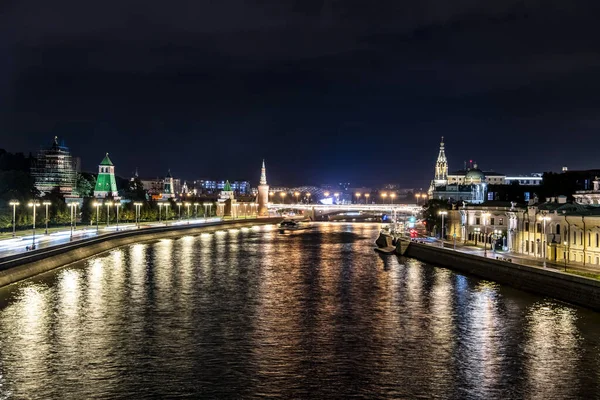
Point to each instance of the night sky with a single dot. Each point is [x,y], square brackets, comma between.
[328,90]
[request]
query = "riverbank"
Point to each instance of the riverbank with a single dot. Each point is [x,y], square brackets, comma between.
[23,266]
[547,282]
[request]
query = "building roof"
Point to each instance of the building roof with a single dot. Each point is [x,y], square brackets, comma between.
[106,161]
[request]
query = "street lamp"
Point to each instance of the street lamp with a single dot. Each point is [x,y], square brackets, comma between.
[167,204]
[497,235]
[108,205]
[297,194]
[565,254]
[392,197]
[46,203]
[33,205]
[484,216]
[196,210]
[206,205]
[367,195]
[443,213]
[188,205]
[337,198]
[72,206]
[418,196]
[384,195]
[235,210]
[357,194]
[138,207]
[282,194]
[307,197]
[118,204]
[326,194]
[14,204]
[97,204]
[477,233]
[544,219]
[179,208]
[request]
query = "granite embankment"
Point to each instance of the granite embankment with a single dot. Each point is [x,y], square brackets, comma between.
[23,266]
[556,284]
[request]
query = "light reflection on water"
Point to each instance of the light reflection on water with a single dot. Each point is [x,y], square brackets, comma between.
[253,313]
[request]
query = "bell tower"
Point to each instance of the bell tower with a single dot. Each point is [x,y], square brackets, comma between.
[441,167]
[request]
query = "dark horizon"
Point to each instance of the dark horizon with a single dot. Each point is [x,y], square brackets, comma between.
[324,91]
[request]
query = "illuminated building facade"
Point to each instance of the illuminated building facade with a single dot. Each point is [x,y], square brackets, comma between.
[55,170]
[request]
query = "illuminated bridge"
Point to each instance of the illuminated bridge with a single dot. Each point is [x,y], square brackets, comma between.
[314,210]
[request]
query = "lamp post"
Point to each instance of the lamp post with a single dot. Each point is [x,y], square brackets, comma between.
[256,210]
[179,209]
[196,210]
[46,204]
[497,234]
[138,207]
[417,196]
[97,204]
[72,206]
[188,205]
[392,197]
[33,205]
[282,195]
[297,194]
[565,254]
[235,210]
[326,194]
[167,212]
[443,213]
[477,233]
[206,205]
[367,195]
[307,197]
[118,204]
[108,205]
[383,195]
[484,216]
[357,194]
[14,204]
[544,219]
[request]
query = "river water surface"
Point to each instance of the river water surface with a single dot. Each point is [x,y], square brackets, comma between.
[316,314]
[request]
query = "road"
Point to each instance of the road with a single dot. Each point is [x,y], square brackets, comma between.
[20,244]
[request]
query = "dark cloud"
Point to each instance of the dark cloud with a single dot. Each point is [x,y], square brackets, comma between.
[339,83]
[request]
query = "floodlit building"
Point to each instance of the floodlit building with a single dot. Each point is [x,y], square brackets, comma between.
[55,170]
[106,184]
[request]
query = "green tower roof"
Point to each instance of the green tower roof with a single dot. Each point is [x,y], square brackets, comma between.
[227,187]
[106,161]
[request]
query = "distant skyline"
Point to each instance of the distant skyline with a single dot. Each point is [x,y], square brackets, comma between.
[324,90]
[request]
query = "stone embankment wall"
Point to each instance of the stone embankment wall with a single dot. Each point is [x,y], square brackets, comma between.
[562,286]
[23,266]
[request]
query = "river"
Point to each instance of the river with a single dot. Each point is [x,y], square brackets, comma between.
[253,313]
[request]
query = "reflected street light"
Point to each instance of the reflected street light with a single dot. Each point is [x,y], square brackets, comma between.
[14,204]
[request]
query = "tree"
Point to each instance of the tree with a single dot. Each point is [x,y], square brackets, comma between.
[85,184]
[431,211]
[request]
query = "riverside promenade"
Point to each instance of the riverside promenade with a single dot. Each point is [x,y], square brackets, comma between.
[23,265]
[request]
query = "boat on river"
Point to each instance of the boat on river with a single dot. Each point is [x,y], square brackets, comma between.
[290,225]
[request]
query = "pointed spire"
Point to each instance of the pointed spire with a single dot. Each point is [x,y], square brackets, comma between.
[441,166]
[263,174]
[227,187]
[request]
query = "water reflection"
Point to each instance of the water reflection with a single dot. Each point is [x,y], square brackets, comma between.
[255,313]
